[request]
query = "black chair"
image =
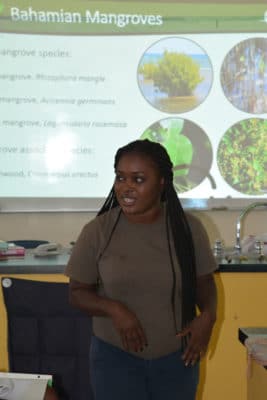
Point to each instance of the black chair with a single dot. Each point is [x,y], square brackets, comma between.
[47,336]
[28,243]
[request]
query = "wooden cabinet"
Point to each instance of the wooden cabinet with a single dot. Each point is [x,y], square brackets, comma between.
[242,300]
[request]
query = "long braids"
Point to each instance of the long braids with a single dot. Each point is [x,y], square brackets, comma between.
[176,222]
[110,202]
[184,249]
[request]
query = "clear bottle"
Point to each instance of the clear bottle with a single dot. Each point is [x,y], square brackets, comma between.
[259,250]
[218,249]
[258,247]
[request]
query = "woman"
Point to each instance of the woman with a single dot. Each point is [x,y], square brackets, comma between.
[140,268]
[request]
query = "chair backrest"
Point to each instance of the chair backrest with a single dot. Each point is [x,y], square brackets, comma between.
[47,336]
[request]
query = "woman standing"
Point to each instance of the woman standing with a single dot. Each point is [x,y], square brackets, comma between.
[141,268]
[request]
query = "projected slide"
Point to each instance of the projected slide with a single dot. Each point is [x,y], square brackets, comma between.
[189,148]
[78,81]
[242,156]
[175,75]
[243,75]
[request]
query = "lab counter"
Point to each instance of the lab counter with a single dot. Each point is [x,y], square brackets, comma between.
[56,264]
[248,332]
[31,264]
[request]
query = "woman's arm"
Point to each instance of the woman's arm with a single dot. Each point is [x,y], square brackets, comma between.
[86,298]
[207,296]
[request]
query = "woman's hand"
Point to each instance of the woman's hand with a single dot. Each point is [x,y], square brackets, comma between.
[199,330]
[85,297]
[198,333]
[129,328]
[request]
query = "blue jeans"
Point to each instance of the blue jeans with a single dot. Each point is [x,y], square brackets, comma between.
[118,375]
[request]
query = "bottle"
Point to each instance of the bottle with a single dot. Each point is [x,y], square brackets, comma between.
[218,249]
[258,247]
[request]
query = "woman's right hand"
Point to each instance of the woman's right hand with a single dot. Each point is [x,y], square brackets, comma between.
[129,328]
[85,297]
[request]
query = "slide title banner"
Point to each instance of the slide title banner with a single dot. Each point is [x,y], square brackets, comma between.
[91,17]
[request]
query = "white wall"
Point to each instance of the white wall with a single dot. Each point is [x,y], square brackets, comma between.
[64,227]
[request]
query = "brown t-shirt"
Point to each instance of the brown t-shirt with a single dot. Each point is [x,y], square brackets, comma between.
[135,269]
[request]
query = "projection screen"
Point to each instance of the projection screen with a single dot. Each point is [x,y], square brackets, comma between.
[80,79]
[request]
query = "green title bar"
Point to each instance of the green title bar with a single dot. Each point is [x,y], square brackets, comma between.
[108,17]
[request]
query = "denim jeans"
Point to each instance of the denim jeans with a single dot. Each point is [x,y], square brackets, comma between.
[118,375]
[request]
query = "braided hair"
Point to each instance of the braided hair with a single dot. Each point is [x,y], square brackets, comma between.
[176,222]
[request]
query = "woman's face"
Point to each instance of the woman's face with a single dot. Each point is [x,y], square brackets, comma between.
[138,187]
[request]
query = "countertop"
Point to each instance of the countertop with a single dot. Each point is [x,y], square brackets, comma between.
[243,267]
[244,333]
[30,264]
[252,332]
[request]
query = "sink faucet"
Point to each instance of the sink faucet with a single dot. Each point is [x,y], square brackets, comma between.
[243,213]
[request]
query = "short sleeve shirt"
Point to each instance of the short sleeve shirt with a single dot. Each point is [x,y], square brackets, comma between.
[132,263]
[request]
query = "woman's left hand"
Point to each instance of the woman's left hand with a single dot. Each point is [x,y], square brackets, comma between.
[198,333]
[199,330]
